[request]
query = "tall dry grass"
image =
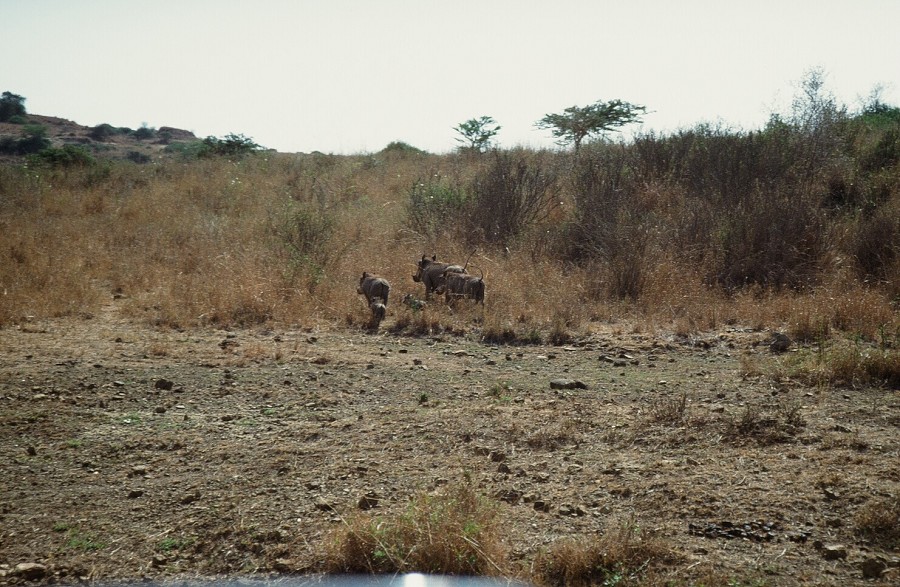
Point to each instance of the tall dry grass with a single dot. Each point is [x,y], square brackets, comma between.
[663,234]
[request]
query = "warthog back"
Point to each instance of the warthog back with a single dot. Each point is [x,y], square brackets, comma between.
[373,286]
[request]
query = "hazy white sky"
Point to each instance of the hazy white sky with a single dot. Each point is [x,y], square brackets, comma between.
[350,76]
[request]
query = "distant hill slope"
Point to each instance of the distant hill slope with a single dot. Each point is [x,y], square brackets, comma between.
[103,141]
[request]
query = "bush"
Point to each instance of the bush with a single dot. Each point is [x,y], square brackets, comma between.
[144,133]
[35,140]
[231,146]
[511,194]
[101,132]
[401,148]
[435,206]
[65,156]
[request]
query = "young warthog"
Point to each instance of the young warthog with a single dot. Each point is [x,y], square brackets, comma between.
[373,287]
[378,311]
[463,285]
[432,274]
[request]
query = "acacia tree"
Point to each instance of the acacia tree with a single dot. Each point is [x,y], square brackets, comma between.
[476,134]
[576,123]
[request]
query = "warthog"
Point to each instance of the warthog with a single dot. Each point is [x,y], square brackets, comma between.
[373,287]
[432,274]
[378,311]
[463,285]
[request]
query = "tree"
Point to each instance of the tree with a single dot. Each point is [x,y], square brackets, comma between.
[476,134]
[576,123]
[11,105]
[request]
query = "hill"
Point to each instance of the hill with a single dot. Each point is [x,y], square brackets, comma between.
[104,140]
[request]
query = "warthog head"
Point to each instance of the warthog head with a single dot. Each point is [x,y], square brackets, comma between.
[373,287]
[431,273]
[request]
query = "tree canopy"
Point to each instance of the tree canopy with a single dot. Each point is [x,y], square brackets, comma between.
[576,123]
[11,105]
[476,134]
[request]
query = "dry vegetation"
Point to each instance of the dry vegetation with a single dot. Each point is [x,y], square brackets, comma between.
[793,229]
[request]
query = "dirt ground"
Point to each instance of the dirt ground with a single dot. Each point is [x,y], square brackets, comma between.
[133,453]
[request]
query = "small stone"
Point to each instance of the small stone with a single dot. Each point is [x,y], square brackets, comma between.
[780,342]
[832,552]
[567,384]
[164,384]
[368,501]
[324,506]
[30,571]
[135,493]
[873,567]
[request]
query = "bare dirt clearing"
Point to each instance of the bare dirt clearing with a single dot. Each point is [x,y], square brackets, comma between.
[128,452]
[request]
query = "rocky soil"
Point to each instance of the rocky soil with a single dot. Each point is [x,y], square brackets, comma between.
[133,453]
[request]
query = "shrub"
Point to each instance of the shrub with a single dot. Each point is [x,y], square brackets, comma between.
[435,206]
[231,146]
[510,195]
[65,156]
[401,148]
[144,133]
[35,140]
[101,132]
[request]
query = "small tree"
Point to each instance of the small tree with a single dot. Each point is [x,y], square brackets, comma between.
[576,123]
[11,105]
[476,134]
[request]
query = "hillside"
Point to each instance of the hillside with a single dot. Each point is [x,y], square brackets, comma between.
[115,143]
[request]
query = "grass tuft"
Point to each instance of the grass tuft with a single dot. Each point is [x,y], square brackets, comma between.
[455,532]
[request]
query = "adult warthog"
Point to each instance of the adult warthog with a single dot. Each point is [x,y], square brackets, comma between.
[432,274]
[373,287]
[463,285]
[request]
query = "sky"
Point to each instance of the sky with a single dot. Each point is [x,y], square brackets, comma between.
[351,76]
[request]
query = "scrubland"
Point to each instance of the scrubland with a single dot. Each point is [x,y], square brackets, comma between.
[185,350]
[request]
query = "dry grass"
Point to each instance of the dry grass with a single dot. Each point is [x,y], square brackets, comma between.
[879,522]
[455,532]
[283,238]
[624,555]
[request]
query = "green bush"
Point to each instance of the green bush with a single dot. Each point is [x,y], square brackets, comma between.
[65,156]
[434,205]
[231,146]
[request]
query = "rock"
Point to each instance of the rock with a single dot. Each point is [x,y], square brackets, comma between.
[542,506]
[780,342]
[164,384]
[873,567]
[324,506]
[368,501]
[567,384]
[135,493]
[510,496]
[30,571]
[831,552]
